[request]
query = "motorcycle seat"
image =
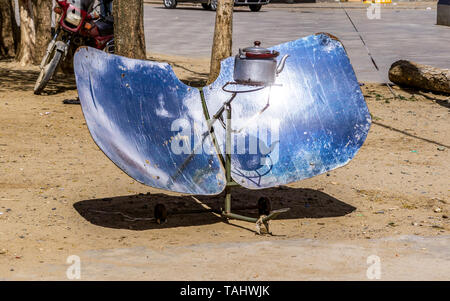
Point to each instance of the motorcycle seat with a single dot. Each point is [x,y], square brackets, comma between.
[105,26]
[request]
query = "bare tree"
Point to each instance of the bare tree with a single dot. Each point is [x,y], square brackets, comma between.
[223,35]
[8,29]
[129,38]
[25,52]
[42,10]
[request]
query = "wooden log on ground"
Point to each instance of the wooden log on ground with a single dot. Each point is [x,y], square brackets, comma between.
[406,73]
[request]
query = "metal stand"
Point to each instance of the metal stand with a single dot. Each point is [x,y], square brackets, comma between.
[226,212]
[226,162]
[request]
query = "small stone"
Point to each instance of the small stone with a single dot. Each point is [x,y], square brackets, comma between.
[441,148]
[437,209]
[445,216]
[380,212]
[414,224]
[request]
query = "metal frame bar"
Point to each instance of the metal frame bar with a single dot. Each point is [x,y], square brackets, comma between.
[226,162]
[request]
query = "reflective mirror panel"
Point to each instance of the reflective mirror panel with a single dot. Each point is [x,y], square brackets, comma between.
[147,122]
[314,119]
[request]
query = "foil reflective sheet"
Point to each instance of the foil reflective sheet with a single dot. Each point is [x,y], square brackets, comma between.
[147,122]
[316,121]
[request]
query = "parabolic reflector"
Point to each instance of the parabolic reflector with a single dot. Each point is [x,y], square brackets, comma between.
[316,121]
[135,109]
[312,120]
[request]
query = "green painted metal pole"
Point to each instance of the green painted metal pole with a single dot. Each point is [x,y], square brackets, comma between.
[211,130]
[228,161]
[239,217]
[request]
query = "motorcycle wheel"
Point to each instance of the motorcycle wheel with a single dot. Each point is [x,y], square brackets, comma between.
[47,72]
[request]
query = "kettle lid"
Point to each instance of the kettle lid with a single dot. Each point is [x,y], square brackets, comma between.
[257,51]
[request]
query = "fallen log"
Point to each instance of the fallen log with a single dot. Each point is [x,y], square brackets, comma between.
[406,73]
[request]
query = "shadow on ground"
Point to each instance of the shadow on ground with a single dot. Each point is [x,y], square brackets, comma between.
[184,210]
[24,79]
[440,98]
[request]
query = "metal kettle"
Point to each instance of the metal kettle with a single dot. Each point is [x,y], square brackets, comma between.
[257,65]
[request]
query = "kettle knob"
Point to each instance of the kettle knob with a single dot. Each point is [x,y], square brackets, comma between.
[257,43]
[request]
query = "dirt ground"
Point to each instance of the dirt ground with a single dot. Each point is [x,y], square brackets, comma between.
[54,180]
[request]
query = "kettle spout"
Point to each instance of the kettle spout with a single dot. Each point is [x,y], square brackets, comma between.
[282,63]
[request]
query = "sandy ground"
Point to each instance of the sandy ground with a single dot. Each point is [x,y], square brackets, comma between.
[391,200]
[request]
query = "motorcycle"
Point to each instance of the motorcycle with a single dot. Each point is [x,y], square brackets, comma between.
[78,25]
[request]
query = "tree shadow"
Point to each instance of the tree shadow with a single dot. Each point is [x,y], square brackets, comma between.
[408,134]
[443,102]
[184,211]
[21,79]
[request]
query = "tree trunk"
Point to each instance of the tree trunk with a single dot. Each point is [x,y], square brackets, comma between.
[15,26]
[223,35]
[420,76]
[42,10]
[8,27]
[25,52]
[129,37]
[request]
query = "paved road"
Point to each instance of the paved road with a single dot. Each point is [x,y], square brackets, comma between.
[398,34]
[396,258]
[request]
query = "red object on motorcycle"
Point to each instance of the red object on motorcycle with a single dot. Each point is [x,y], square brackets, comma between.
[73,18]
[76,20]
[76,26]
[58,10]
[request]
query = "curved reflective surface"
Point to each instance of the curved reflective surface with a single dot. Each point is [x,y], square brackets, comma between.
[147,122]
[316,121]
